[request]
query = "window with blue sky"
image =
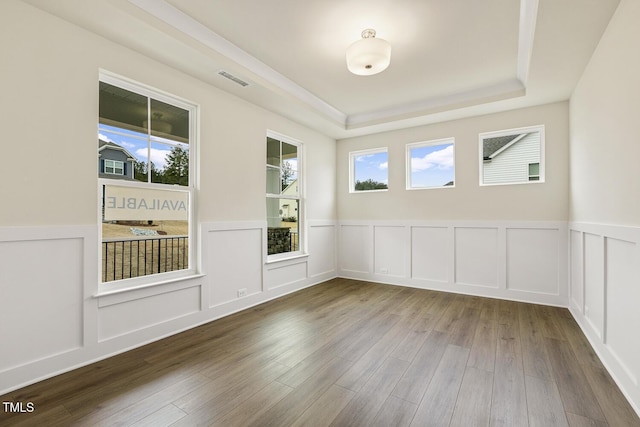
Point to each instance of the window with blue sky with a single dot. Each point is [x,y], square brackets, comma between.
[431,164]
[369,170]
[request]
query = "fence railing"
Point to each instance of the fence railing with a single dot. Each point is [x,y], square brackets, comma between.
[134,257]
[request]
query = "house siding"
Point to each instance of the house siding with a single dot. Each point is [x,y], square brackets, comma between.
[115,155]
[512,165]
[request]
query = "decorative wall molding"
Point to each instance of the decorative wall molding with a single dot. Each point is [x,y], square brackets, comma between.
[523,261]
[603,297]
[64,325]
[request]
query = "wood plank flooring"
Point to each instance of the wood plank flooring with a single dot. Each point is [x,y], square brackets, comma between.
[348,353]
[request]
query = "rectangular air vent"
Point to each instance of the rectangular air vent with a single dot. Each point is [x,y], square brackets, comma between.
[233,78]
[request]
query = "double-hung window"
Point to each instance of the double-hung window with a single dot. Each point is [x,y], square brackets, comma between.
[146,161]
[284,196]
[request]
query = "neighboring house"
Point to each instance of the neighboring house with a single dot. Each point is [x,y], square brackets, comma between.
[289,208]
[114,161]
[511,158]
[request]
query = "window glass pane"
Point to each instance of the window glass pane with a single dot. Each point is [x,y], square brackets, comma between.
[122,108]
[506,156]
[274,185]
[370,171]
[144,231]
[431,165]
[534,169]
[282,225]
[169,164]
[168,121]
[273,152]
[121,152]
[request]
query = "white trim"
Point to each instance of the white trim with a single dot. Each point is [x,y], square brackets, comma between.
[528,17]
[191,27]
[506,89]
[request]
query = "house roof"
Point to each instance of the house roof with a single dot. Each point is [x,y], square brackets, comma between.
[102,144]
[491,145]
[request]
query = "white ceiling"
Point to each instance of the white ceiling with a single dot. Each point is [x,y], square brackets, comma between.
[450,58]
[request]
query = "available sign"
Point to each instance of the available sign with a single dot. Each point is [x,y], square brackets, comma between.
[144,204]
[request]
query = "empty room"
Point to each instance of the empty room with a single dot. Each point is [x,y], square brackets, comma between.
[323,212]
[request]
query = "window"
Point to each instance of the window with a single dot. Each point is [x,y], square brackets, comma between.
[146,170]
[512,157]
[115,167]
[368,170]
[534,171]
[284,198]
[430,164]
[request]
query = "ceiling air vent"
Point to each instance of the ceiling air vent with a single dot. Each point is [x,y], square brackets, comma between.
[233,78]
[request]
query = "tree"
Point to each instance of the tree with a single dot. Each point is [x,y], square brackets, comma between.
[370,184]
[177,169]
[287,175]
[140,171]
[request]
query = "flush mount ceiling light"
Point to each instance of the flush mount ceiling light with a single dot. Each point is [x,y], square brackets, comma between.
[368,56]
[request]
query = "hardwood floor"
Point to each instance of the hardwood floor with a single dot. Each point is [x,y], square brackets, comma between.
[348,353]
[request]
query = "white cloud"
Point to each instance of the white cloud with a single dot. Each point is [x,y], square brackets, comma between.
[158,157]
[440,159]
[383,166]
[104,137]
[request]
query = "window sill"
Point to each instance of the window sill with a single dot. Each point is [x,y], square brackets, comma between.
[291,259]
[142,290]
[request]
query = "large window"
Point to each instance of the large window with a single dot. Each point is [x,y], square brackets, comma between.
[368,170]
[284,196]
[512,156]
[146,183]
[430,164]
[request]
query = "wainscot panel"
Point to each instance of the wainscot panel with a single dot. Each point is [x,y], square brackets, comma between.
[391,250]
[605,267]
[430,253]
[322,247]
[523,261]
[476,256]
[41,288]
[124,318]
[233,260]
[532,260]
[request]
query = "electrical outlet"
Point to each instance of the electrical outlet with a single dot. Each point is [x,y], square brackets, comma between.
[384,271]
[242,292]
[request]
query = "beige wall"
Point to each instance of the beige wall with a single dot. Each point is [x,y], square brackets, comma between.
[605,112]
[49,109]
[467,201]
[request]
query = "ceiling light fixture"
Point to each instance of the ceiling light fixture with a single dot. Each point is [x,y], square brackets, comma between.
[369,55]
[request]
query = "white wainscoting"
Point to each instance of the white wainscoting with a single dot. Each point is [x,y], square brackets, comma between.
[524,261]
[52,320]
[604,296]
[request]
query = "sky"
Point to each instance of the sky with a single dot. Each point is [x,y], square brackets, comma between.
[136,144]
[372,166]
[432,165]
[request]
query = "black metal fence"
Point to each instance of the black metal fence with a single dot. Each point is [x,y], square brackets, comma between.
[134,257]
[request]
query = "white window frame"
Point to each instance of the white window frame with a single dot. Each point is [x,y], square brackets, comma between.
[301,252]
[409,171]
[352,169]
[119,285]
[522,130]
[114,166]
